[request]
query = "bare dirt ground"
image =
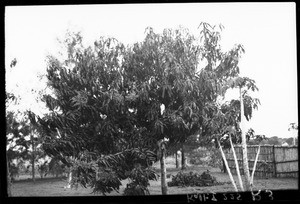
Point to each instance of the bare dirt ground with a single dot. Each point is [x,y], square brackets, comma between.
[55,186]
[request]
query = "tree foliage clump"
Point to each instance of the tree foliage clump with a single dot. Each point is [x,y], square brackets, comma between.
[22,140]
[111,104]
[139,181]
[104,173]
[91,126]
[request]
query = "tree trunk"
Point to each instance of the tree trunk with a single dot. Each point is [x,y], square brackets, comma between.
[244,146]
[224,166]
[227,167]
[33,159]
[236,164]
[254,167]
[164,188]
[176,158]
[8,179]
[183,158]
[69,179]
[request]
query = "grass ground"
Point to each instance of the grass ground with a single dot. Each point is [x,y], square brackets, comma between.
[55,186]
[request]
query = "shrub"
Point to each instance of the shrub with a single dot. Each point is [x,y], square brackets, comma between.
[14,171]
[216,158]
[267,167]
[43,169]
[206,156]
[135,189]
[193,179]
[197,156]
[55,167]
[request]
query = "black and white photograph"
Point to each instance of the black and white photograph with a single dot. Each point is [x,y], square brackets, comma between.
[142,99]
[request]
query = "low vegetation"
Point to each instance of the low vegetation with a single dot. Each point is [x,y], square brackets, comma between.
[193,179]
[55,186]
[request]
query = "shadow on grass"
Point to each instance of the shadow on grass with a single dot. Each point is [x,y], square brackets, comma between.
[41,180]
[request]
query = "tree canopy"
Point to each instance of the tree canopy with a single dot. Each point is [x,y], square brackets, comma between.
[111,104]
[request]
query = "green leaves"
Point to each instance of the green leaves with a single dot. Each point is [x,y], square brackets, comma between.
[80,99]
[139,178]
[240,82]
[106,98]
[104,173]
[159,126]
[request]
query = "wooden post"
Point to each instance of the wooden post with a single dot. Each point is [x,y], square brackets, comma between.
[274,162]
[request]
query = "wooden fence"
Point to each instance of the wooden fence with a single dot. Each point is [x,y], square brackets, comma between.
[273,160]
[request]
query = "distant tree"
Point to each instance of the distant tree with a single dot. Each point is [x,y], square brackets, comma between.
[19,132]
[9,98]
[22,139]
[43,169]
[253,139]
[290,141]
[274,141]
[17,145]
[294,126]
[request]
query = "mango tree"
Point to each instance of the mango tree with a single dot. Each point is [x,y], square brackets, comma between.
[91,127]
[163,70]
[184,75]
[107,100]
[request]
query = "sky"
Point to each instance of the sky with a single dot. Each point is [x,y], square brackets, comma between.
[266,30]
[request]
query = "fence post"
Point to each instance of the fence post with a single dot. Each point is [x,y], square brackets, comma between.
[274,162]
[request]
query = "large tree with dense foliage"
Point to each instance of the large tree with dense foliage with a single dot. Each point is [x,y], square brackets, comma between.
[163,69]
[91,127]
[111,104]
[188,76]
